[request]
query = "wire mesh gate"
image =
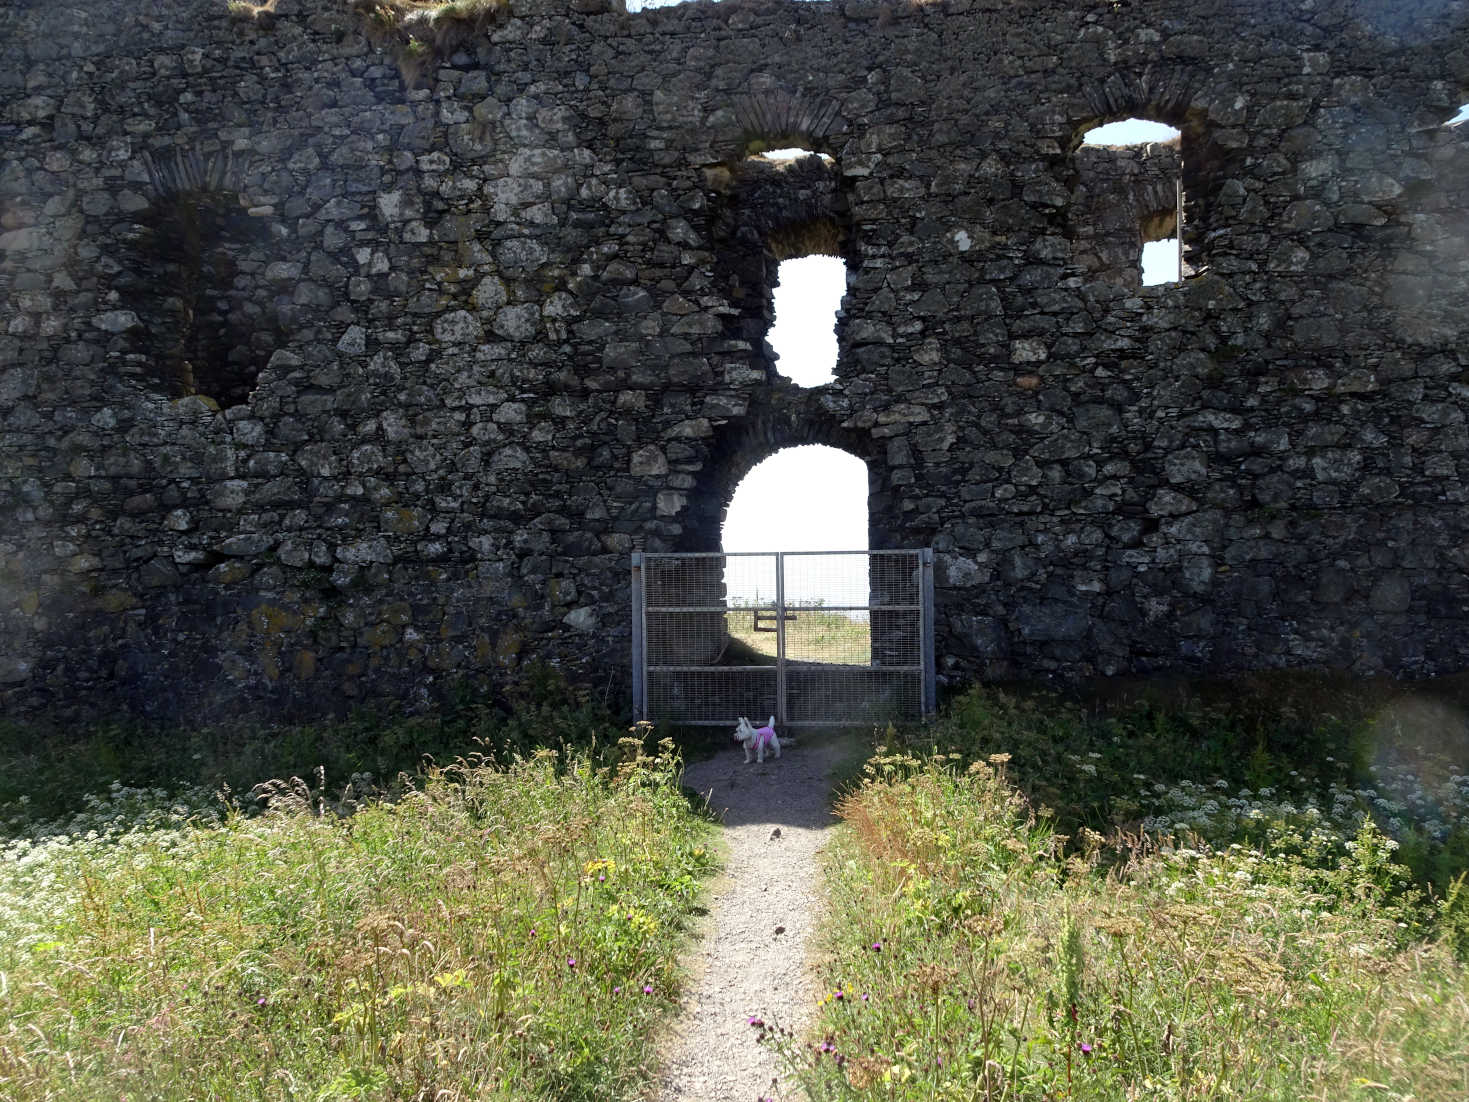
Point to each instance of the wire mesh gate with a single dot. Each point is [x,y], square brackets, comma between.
[814,638]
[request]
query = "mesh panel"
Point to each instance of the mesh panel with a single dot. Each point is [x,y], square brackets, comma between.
[851,696]
[713,696]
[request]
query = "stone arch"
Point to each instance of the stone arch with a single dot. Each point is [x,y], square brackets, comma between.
[788,416]
[199,334]
[776,117]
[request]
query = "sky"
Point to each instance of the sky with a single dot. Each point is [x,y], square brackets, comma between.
[814,498]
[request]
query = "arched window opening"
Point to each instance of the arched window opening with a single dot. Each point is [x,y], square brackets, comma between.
[1138,239]
[224,337]
[805,498]
[807,301]
[195,279]
[783,250]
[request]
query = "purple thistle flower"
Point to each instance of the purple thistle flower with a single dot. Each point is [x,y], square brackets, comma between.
[1086,1049]
[758,1023]
[617,991]
[877,947]
[840,994]
[647,989]
[865,996]
[571,962]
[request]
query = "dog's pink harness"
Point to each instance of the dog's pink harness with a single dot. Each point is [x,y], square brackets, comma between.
[763,735]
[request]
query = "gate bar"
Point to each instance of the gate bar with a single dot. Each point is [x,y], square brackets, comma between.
[780,639]
[925,629]
[639,641]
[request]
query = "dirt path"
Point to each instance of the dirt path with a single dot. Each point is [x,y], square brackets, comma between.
[743,967]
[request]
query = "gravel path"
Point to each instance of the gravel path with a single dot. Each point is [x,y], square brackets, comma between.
[744,967]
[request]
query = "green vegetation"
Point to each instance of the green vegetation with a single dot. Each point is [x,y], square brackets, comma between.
[1285,761]
[421,33]
[49,772]
[1257,892]
[812,635]
[493,931]
[1242,929]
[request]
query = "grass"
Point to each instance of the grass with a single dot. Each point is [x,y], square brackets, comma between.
[493,932]
[1255,896]
[421,33]
[50,771]
[812,635]
[974,955]
[1256,892]
[1280,757]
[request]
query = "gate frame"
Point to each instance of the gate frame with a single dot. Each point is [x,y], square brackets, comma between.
[928,671]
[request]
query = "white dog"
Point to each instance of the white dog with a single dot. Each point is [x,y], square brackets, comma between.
[757,738]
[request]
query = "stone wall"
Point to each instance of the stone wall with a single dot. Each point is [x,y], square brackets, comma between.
[315,388]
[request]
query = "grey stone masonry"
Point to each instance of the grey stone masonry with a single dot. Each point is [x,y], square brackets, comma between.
[317,386]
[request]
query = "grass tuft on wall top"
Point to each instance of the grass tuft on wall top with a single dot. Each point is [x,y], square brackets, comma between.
[423,34]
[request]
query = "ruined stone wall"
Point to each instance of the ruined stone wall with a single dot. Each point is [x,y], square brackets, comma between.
[313,388]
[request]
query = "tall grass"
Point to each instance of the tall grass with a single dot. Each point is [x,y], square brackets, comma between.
[1296,763]
[49,771]
[493,932]
[974,954]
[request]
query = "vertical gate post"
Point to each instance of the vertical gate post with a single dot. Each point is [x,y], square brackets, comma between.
[930,675]
[780,639]
[639,641]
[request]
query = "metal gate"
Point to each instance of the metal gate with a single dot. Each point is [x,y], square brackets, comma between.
[814,638]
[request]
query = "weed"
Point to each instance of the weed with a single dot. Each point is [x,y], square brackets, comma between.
[421,34]
[493,932]
[980,956]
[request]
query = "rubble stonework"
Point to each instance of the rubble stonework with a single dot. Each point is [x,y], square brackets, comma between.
[314,388]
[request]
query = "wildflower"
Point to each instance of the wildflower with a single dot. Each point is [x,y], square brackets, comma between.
[647,989]
[571,962]
[758,1023]
[1086,1049]
[877,947]
[617,990]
